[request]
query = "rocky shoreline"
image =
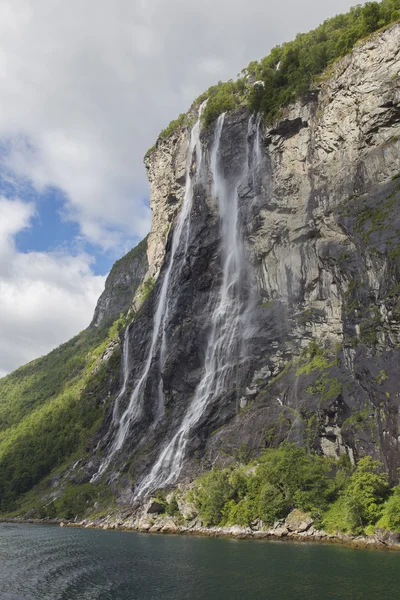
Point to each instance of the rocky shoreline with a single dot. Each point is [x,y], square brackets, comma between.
[295,528]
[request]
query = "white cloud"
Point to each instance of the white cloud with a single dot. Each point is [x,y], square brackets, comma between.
[85,87]
[44,298]
[14,217]
[90,84]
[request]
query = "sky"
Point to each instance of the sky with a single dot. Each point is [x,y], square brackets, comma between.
[85,88]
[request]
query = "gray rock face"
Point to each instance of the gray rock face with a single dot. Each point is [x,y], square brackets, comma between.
[154,507]
[121,284]
[318,216]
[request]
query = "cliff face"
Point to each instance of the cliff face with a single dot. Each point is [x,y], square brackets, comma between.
[276,310]
[122,282]
[50,407]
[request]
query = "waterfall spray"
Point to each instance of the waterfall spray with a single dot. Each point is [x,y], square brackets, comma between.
[228,319]
[125,374]
[134,409]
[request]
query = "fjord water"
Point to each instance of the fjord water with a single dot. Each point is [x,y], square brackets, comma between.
[52,563]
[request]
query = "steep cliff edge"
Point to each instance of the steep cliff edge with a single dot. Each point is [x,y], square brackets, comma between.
[268,309]
[324,241]
[281,322]
[124,279]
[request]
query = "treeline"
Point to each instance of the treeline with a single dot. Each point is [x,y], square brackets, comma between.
[340,497]
[292,68]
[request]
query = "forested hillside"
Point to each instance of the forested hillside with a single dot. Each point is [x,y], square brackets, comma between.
[51,407]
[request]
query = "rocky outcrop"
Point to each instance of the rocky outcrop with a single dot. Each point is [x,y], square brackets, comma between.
[316,363]
[121,284]
[298,521]
[153,507]
[324,240]
[166,171]
[165,524]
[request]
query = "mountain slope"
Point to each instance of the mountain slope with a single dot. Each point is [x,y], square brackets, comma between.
[50,408]
[271,312]
[281,265]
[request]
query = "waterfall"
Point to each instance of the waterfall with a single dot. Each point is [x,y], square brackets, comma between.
[125,374]
[135,406]
[229,318]
[257,157]
[190,181]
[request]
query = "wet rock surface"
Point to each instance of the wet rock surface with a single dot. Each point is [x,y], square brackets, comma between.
[319,219]
[164,524]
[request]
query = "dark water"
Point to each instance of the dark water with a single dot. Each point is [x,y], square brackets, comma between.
[45,562]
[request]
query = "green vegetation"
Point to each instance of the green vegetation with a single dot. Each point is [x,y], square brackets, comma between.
[291,69]
[133,254]
[315,358]
[359,421]
[326,388]
[381,377]
[144,291]
[51,407]
[223,98]
[391,512]
[338,496]
[150,150]
[361,502]
[175,124]
[78,501]
[371,326]
[281,480]
[375,218]
[67,502]
[169,502]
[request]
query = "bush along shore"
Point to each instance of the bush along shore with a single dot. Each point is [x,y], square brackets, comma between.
[288,493]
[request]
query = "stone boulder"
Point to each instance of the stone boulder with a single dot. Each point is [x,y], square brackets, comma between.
[186,508]
[298,521]
[389,538]
[169,527]
[154,507]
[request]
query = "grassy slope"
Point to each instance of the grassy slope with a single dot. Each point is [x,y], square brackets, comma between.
[46,412]
[50,408]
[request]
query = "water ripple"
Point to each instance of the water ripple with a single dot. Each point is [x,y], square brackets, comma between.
[53,563]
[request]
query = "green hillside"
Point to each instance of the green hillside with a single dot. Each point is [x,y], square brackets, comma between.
[51,407]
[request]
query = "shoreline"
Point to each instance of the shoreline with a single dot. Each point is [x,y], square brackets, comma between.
[379,541]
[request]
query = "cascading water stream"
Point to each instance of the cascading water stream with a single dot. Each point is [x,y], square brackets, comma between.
[192,180]
[125,374]
[135,406]
[228,319]
[257,153]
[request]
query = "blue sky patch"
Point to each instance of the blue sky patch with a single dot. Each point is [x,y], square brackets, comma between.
[50,230]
